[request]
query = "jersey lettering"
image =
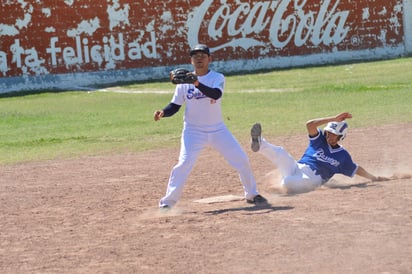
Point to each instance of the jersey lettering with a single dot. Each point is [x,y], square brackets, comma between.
[194,94]
[320,156]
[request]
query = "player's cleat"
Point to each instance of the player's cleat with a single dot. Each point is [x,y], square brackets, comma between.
[164,208]
[258,199]
[256,134]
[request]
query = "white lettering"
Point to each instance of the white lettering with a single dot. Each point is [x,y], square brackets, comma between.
[3,62]
[86,50]
[32,58]
[17,52]
[112,49]
[26,58]
[53,50]
[149,48]
[117,49]
[135,52]
[326,26]
[96,55]
[79,50]
[69,56]
[320,155]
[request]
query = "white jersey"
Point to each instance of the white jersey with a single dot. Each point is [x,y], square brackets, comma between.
[201,111]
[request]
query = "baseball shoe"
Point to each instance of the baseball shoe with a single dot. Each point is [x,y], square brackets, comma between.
[164,208]
[258,199]
[256,134]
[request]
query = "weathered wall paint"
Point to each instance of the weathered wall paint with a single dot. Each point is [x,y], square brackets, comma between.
[49,44]
[407,18]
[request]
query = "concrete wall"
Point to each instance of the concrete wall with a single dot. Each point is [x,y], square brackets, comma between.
[68,44]
[407,19]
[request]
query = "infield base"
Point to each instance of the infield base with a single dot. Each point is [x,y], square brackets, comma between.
[219,199]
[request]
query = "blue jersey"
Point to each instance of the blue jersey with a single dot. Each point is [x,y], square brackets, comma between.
[327,161]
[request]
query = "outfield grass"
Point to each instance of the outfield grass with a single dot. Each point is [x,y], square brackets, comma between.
[75,123]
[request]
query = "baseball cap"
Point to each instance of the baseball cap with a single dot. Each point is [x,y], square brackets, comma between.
[200,48]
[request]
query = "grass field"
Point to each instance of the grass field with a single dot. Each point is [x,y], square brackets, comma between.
[70,124]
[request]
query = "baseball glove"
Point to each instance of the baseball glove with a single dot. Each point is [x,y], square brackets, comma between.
[182,76]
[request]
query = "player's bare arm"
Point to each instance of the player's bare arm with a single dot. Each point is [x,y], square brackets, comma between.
[363,173]
[312,125]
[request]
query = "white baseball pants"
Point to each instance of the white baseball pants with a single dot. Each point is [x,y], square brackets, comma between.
[193,141]
[296,177]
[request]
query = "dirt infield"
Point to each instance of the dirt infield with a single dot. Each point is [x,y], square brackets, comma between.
[99,215]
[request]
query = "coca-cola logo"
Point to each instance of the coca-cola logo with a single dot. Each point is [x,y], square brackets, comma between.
[243,25]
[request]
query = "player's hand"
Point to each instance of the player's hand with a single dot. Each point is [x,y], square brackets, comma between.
[343,116]
[158,115]
[380,179]
[400,176]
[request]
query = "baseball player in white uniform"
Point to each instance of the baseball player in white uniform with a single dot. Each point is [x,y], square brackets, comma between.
[203,126]
[323,157]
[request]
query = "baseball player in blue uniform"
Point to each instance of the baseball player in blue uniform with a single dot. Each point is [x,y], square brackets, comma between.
[323,157]
[203,126]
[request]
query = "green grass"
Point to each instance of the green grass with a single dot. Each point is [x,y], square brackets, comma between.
[71,124]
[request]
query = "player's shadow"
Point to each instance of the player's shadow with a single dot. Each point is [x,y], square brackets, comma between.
[343,187]
[258,209]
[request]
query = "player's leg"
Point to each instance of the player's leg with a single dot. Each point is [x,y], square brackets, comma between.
[192,142]
[224,142]
[298,183]
[284,162]
[303,180]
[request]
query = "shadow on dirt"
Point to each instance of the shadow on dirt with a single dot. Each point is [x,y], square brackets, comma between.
[260,209]
[360,185]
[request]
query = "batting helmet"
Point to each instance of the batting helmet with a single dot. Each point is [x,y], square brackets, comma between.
[337,128]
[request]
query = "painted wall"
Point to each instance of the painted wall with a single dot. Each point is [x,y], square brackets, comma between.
[49,44]
[407,17]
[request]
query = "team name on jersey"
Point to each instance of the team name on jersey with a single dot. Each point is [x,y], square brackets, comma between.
[320,155]
[194,94]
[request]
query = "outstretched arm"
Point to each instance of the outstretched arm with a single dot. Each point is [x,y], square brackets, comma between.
[169,110]
[312,125]
[362,172]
